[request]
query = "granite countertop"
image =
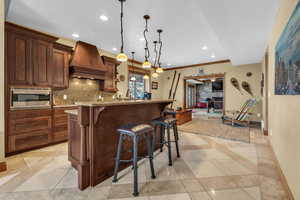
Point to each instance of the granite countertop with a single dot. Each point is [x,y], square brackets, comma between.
[65,105]
[122,102]
[72,112]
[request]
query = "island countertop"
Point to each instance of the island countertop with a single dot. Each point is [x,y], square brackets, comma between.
[122,102]
[93,137]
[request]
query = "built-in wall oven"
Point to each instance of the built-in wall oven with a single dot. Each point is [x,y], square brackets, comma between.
[22,98]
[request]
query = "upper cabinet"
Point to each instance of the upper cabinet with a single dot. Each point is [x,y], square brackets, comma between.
[60,69]
[42,63]
[28,56]
[110,82]
[18,56]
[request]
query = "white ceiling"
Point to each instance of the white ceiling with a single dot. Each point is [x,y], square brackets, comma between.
[231,29]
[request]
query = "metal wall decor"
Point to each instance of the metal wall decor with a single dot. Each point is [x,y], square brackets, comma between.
[249,74]
[247,88]
[236,84]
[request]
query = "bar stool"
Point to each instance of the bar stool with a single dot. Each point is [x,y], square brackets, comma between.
[135,131]
[164,123]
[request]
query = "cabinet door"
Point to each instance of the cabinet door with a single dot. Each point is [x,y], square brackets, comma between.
[42,63]
[109,83]
[60,69]
[19,59]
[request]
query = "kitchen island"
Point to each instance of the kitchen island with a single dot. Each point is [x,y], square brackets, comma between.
[93,137]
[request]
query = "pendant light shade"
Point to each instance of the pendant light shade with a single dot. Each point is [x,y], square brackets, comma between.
[146,65]
[155,75]
[159,70]
[121,57]
[146,77]
[133,78]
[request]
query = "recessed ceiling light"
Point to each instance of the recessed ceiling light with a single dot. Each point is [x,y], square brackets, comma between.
[142,39]
[213,56]
[103,18]
[114,49]
[204,48]
[75,35]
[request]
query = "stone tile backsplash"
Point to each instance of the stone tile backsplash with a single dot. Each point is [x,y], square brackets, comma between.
[80,90]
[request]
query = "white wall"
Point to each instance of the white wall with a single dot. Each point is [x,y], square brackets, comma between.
[284,111]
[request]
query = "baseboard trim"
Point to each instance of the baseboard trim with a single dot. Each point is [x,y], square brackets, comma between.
[282,177]
[3,166]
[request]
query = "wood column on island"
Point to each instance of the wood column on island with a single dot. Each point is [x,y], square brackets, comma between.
[93,137]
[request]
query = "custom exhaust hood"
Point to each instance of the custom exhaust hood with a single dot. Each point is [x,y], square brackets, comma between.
[86,62]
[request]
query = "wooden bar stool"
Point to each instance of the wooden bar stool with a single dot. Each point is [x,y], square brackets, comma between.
[135,131]
[165,122]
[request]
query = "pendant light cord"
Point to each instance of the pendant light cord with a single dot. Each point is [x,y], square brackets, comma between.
[160,46]
[147,52]
[155,50]
[122,37]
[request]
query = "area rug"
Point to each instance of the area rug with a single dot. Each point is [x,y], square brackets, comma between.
[215,128]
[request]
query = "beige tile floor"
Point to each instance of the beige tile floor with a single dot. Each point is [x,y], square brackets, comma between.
[209,169]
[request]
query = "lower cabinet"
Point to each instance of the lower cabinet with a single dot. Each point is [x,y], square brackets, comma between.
[29,129]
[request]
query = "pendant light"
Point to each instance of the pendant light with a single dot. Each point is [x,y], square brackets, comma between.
[159,69]
[122,56]
[146,63]
[155,74]
[146,77]
[133,78]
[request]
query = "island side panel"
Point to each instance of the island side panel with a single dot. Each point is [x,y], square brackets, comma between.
[104,137]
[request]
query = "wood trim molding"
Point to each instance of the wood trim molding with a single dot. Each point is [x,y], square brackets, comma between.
[134,61]
[281,174]
[3,166]
[138,70]
[208,76]
[197,65]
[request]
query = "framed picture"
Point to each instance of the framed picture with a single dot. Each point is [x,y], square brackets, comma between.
[287,57]
[154,85]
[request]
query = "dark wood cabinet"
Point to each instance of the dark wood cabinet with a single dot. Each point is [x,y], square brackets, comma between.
[60,124]
[18,51]
[60,69]
[110,82]
[28,56]
[28,129]
[42,63]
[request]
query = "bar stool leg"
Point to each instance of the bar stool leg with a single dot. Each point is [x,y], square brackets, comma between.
[175,130]
[150,154]
[162,137]
[117,161]
[169,146]
[135,166]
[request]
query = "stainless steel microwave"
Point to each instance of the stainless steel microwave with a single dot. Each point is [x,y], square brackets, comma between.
[30,98]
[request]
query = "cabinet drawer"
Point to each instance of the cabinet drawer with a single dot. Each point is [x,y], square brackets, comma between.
[28,141]
[21,114]
[25,125]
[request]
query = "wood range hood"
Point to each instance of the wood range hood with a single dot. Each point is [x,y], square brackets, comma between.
[86,62]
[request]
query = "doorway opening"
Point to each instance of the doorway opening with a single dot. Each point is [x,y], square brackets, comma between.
[205,95]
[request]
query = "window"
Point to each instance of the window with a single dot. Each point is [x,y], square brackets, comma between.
[137,85]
